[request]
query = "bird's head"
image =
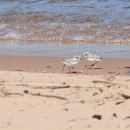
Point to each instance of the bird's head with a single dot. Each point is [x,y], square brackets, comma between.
[77,58]
[86,54]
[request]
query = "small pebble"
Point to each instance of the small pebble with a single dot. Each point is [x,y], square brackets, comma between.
[82,101]
[87,73]
[99,117]
[26,91]
[66,109]
[95,81]
[48,66]
[114,115]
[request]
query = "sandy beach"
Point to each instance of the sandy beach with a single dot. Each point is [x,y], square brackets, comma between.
[34,94]
[35,36]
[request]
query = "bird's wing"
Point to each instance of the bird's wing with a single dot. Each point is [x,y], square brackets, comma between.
[95,56]
[68,60]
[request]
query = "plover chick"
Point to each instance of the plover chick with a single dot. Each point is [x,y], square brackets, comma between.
[92,58]
[71,62]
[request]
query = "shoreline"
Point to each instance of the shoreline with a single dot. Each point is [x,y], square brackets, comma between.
[54,65]
[64,49]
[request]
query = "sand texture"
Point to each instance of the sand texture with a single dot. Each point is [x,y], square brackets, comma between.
[35,95]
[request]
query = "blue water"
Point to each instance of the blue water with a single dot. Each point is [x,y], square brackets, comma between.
[65,27]
[65,20]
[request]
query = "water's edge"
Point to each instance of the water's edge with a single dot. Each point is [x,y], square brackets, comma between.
[65,50]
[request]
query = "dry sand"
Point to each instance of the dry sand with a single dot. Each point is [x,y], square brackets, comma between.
[35,95]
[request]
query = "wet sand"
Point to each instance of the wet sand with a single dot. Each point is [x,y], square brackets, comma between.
[34,94]
[54,65]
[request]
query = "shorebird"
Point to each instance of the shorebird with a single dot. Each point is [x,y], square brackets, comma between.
[93,58]
[71,62]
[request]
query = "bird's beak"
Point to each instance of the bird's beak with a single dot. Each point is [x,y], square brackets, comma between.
[82,55]
[80,58]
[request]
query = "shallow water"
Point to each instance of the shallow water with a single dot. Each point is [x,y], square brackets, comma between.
[64,50]
[73,21]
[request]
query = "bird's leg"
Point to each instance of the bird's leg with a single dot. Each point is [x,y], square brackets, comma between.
[94,66]
[69,70]
[63,68]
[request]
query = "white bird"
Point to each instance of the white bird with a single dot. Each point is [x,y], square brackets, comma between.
[93,58]
[71,62]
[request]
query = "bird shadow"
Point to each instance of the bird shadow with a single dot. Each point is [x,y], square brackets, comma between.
[75,72]
[95,68]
